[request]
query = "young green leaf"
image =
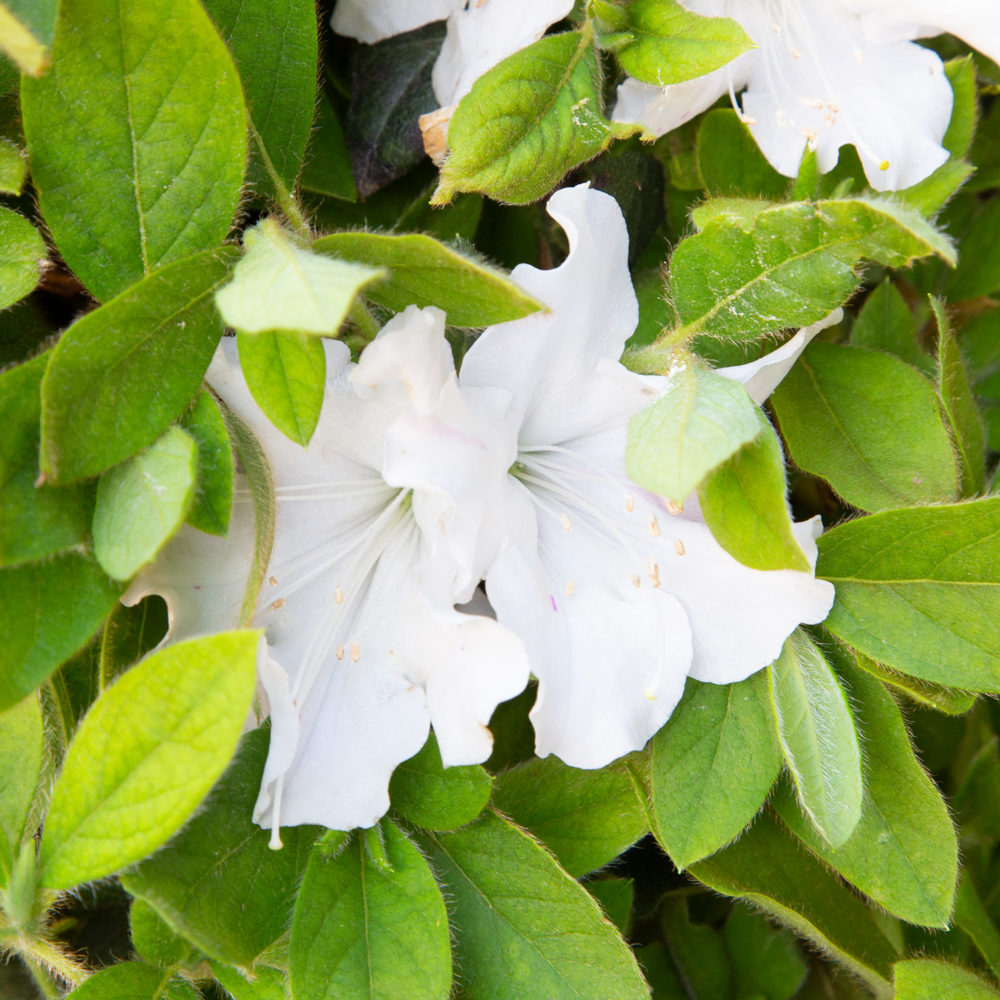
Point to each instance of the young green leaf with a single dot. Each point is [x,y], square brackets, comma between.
[426,272]
[918,590]
[960,408]
[586,818]
[213,499]
[286,375]
[868,424]
[730,161]
[99,402]
[245,916]
[661,42]
[769,870]
[142,502]
[527,122]
[279,80]
[145,755]
[788,265]
[134,981]
[35,521]
[522,926]
[279,285]
[716,732]
[22,251]
[743,503]
[48,610]
[369,931]
[903,852]
[885,323]
[137,137]
[430,795]
[22,756]
[26,28]
[699,420]
[932,979]
[818,738]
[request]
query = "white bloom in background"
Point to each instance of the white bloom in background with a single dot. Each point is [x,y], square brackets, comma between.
[829,74]
[370,21]
[382,526]
[618,596]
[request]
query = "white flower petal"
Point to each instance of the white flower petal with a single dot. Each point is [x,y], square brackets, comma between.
[761,377]
[372,20]
[484,34]
[662,109]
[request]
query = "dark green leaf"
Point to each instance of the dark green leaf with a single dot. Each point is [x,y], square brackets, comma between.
[100,404]
[918,590]
[370,931]
[978,271]
[697,951]
[138,161]
[868,424]
[767,962]
[213,499]
[885,323]
[972,917]
[716,732]
[424,792]
[930,979]
[527,122]
[328,167]
[730,161]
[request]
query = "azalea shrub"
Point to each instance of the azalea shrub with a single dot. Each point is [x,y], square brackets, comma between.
[499,500]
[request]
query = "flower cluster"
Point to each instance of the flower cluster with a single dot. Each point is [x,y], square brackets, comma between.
[420,483]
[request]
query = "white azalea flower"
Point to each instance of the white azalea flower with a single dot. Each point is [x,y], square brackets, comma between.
[617,595]
[370,21]
[825,75]
[379,532]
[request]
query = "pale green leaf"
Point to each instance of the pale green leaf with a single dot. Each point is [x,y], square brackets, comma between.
[22,756]
[280,285]
[154,941]
[918,590]
[137,137]
[142,502]
[425,272]
[370,931]
[818,738]
[265,983]
[145,755]
[13,167]
[527,122]
[716,733]
[699,420]
[22,252]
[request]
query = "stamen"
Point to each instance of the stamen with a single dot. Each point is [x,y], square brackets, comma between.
[564,520]
[338,595]
[679,547]
[273,581]
[654,527]
[654,572]
[355,651]
[630,503]
[340,651]
[636,581]
[675,508]
[279,603]
[570,587]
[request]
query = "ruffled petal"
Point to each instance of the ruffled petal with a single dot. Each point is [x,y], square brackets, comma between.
[662,109]
[370,21]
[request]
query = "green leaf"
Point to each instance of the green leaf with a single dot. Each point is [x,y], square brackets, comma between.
[730,161]
[267,984]
[279,285]
[903,852]
[138,161]
[35,521]
[142,502]
[328,168]
[978,271]
[22,251]
[425,272]
[699,420]
[286,375]
[22,756]
[930,979]
[924,693]
[973,918]
[868,424]
[153,940]
[661,42]
[134,981]
[428,794]
[13,167]
[217,882]
[697,951]
[129,634]
[743,503]
[818,738]
[273,43]
[48,610]
[715,733]
[767,962]
[770,871]
[369,931]
[960,408]
[527,122]
[522,926]
[213,500]
[26,28]
[586,818]
[615,896]
[788,265]
[918,590]
[145,755]
[100,404]
[885,323]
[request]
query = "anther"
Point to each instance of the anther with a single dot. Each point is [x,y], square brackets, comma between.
[679,547]
[338,595]
[636,581]
[564,520]
[340,652]
[654,572]
[675,508]
[570,587]
[630,503]
[273,581]
[884,165]
[654,527]
[355,651]
[279,603]
[812,102]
